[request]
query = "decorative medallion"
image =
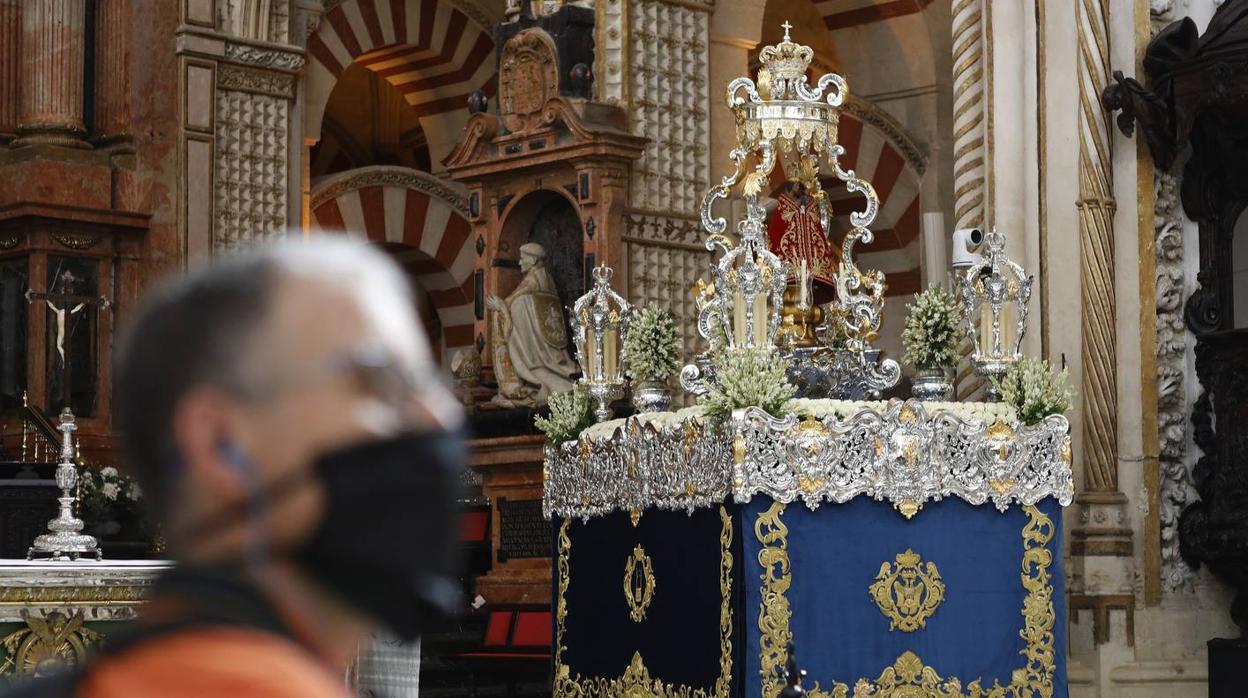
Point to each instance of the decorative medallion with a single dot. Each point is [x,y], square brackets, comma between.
[638,584]
[528,76]
[48,644]
[10,241]
[908,592]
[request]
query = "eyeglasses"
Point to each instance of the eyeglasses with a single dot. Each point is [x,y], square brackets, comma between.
[377,371]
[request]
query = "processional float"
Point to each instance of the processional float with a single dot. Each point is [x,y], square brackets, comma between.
[925,556]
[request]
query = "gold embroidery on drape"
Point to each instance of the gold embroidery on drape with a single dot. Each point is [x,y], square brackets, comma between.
[636,681]
[908,591]
[908,677]
[638,584]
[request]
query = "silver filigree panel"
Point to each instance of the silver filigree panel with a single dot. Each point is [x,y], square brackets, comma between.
[901,455]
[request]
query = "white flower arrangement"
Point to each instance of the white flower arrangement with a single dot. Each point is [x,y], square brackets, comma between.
[658,420]
[931,333]
[104,492]
[652,346]
[569,416]
[747,378]
[1034,389]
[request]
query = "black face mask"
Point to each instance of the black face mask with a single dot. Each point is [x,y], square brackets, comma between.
[388,541]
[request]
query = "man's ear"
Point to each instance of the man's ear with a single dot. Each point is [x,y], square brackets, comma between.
[201,424]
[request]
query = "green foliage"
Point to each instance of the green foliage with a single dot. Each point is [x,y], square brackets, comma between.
[1034,389]
[746,378]
[569,416]
[931,334]
[652,347]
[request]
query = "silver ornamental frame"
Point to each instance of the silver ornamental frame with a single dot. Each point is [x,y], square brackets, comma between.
[600,310]
[905,453]
[782,114]
[993,282]
[65,541]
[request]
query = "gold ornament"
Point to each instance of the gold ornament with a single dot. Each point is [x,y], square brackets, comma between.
[47,645]
[638,584]
[908,592]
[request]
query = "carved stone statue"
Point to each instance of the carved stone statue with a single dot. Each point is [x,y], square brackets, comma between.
[530,343]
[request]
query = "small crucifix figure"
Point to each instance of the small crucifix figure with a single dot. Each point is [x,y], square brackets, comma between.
[65,304]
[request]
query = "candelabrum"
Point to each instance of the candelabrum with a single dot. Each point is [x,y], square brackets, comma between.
[781,116]
[994,293]
[599,324]
[65,540]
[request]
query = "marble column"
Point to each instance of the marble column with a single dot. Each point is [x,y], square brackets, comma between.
[53,40]
[10,68]
[112,68]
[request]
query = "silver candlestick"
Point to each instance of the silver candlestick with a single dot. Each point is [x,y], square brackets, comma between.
[66,541]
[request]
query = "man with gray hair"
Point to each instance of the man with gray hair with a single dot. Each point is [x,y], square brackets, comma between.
[283,411]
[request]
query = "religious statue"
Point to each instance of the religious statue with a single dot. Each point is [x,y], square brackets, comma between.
[796,235]
[530,341]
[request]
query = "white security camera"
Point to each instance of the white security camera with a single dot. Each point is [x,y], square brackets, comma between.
[965,242]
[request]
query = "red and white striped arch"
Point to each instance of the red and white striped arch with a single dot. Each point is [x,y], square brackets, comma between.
[431,51]
[873,156]
[399,206]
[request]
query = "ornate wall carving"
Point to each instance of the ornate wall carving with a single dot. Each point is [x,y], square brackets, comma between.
[264,57]
[261,82]
[528,76]
[432,185]
[252,148]
[1176,478]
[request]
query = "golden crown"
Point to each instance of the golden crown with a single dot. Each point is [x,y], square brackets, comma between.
[786,60]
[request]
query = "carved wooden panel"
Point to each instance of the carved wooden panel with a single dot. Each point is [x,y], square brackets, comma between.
[528,76]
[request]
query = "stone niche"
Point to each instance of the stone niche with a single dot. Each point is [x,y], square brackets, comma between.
[544,164]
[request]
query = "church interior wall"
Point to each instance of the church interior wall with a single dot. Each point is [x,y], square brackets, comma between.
[667,68]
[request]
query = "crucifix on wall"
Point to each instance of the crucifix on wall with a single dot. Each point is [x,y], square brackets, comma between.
[66,308]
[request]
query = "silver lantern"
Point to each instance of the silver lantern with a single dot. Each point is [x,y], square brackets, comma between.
[599,326]
[994,294]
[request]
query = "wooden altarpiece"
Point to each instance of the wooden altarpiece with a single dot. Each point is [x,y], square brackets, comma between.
[545,141]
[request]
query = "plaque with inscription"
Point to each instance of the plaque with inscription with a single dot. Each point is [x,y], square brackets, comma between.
[522,532]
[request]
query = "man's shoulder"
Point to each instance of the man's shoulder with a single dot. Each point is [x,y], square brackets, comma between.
[214,662]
